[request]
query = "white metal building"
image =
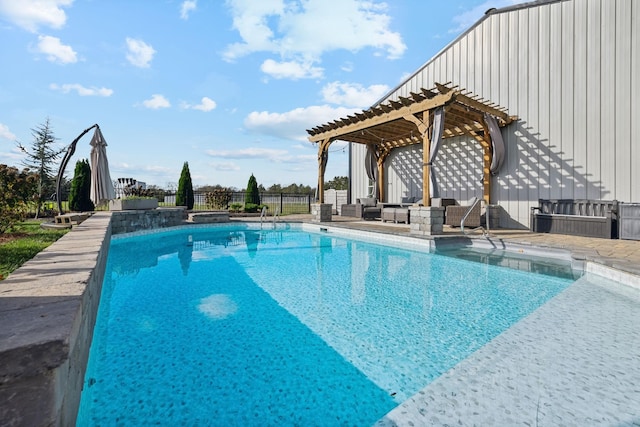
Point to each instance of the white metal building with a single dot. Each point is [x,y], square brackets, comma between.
[570,71]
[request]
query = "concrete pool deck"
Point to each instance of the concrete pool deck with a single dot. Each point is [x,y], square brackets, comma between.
[574,361]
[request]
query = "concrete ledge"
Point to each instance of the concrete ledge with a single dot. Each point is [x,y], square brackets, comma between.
[208,217]
[48,309]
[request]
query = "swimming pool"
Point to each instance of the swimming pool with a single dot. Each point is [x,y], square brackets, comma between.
[236,325]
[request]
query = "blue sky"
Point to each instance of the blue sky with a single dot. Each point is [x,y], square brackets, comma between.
[228,86]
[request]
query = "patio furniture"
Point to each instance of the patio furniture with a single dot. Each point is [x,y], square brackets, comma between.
[348,210]
[577,217]
[395,215]
[454,214]
[364,208]
[368,208]
[629,221]
[397,212]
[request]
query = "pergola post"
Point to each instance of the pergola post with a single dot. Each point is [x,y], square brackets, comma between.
[323,154]
[382,156]
[426,151]
[486,174]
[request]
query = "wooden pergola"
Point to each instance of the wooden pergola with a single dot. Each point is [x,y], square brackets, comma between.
[408,121]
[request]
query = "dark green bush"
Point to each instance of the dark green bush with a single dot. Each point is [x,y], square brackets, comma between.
[80,194]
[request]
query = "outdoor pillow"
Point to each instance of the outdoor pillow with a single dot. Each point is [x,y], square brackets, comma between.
[368,201]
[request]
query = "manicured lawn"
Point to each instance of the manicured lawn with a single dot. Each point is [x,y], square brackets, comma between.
[22,243]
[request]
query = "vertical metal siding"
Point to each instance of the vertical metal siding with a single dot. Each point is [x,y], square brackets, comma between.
[569,70]
[593,101]
[635,104]
[607,142]
[555,103]
[621,127]
[542,61]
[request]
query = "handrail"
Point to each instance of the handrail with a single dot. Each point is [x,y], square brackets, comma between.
[474,202]
[276,215]
[262,214]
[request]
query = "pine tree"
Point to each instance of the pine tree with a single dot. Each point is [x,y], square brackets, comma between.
[41,159]
[252,196]
[184,196]
[80,194]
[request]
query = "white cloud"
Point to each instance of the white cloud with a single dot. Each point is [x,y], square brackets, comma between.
[187,7]
[302,32]
[268,154]
[225,166]
[81,90]
[347,67]
[206,104]
[31,14]
[140,54]
[470,16]
[290,70]
[292,124]
[5,133]
[353,94]
[56,51]
[156,102]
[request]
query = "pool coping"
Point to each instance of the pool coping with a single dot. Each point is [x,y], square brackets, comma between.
[49,318]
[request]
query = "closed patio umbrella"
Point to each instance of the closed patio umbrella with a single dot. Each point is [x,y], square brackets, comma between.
[101,185]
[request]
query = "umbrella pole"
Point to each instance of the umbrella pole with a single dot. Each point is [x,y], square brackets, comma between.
[67,156]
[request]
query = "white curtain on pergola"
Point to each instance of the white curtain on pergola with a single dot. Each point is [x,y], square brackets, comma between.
[436,142]
[497,143]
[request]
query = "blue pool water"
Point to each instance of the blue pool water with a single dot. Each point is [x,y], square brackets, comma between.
[239,326]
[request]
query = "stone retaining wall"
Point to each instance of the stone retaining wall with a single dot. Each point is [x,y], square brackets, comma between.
[129,221]
[48,309]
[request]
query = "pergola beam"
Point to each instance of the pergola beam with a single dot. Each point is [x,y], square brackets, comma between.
[405,121]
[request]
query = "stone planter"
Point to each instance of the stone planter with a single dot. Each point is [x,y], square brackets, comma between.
[132,204]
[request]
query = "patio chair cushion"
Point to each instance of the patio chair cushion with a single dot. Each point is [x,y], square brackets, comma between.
[408,200]
[368,201]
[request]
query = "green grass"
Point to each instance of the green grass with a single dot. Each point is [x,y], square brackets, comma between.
[22,243]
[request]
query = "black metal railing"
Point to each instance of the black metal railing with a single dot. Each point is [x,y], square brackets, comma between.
[284,203]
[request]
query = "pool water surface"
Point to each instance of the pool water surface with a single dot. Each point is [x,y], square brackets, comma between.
[242,326]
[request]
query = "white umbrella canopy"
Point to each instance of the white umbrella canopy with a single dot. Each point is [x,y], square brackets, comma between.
[101,185]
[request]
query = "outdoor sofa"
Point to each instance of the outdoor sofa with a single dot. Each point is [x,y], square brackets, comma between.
[365,208]
[454,213]
[578,217]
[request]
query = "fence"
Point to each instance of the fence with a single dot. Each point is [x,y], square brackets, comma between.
[284,203]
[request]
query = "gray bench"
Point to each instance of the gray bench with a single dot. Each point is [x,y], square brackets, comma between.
[577,217]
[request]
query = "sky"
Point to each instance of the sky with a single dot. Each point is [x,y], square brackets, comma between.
[229,86]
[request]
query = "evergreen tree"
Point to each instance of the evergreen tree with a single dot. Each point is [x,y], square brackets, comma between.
[184,196]
[80,194]
[252,196]
[41,159]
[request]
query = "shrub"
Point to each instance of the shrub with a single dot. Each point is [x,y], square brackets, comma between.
[218,198]
[184,196]
[251,207]
[80,194]
[17,189]
[252,196]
